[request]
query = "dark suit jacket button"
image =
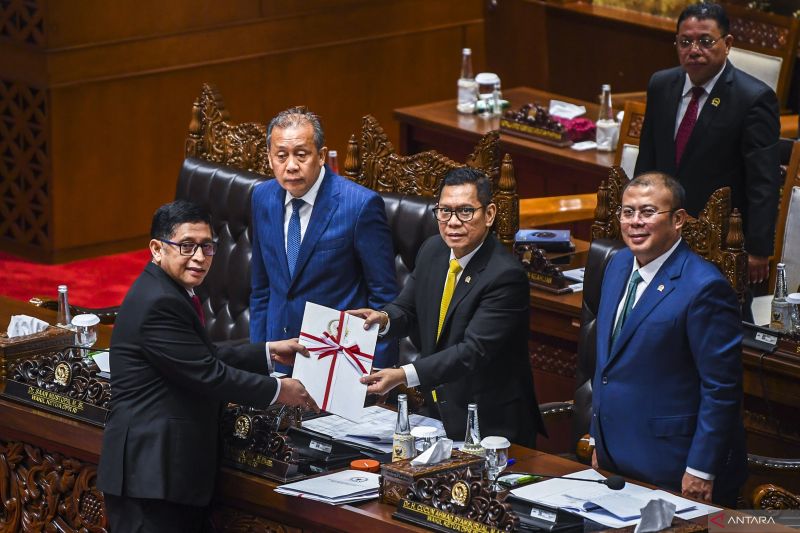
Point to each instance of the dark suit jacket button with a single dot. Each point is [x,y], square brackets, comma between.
[605,380]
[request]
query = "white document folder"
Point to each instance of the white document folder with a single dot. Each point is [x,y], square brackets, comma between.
[341,352]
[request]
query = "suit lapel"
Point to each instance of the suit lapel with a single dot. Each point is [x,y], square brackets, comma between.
[615,282]
[663,283]
[707,115]
[469,278]
[675,94]
[434,289]
[277,209]
[324,207]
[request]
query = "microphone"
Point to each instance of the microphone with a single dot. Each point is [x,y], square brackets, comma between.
[612,482]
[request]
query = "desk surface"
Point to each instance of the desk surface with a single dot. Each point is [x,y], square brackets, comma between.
[443,116]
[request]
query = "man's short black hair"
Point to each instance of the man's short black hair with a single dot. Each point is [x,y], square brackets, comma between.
[649,179]
[704,11]
[169,216]
[462,175]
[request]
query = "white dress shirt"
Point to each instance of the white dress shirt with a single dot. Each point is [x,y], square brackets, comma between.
[687,97]
[412,379]
[305,212]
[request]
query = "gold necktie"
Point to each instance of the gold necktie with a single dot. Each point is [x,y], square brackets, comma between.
[447,295]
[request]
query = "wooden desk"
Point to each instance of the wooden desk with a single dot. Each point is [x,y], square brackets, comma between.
[541,169]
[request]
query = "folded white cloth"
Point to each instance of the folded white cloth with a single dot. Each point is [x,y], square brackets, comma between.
[565,109]
[441,450]
[21,325]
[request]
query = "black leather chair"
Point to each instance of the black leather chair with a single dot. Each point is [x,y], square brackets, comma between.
[225,192]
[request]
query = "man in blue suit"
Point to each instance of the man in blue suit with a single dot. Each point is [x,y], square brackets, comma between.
[317,237]
[668,381]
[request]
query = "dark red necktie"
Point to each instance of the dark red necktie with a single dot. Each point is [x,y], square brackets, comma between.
[687,123]
[199,308]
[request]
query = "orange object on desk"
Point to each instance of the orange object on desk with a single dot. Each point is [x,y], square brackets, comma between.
[365,465]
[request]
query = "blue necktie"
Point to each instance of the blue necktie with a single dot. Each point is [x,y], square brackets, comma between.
[293,235]
[630,298]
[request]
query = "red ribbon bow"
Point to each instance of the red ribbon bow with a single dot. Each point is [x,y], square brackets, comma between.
[330,346]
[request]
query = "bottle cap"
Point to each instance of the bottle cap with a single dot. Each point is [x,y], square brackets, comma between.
[495,443]
[467,51]
[62,288]
[424,432]
[793,298]
[780,265]
[85,321]
[606,87]
[487,78]
[332,153]
[365,465]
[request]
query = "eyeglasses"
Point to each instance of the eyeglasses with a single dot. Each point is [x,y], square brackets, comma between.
[190,248]
[463,213]
[626,214]
[705,43]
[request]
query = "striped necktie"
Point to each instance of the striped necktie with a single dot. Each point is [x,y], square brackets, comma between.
[447,295]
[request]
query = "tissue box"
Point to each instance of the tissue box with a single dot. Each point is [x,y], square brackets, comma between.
[397,477]
[13,350]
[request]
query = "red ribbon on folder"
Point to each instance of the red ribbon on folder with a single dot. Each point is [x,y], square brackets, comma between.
[330,346]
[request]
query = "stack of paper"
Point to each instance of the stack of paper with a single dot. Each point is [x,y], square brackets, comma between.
[348,486]
[374,430]
[597,502]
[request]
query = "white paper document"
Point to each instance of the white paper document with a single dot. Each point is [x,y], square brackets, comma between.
[597,502]
[374,429]
[338,488]
[341,352]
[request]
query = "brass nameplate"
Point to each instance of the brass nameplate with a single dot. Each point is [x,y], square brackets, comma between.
[259,464]
[56,403]
[535,133]
[436,519]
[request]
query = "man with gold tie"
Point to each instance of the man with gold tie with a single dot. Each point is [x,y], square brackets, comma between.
[466,307]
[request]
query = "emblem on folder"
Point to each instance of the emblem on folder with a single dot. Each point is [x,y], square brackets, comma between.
[661,288]
[63,374]
[715,102]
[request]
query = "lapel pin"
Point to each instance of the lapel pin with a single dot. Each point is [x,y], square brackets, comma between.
[661,288]
[715,102]
[467,279]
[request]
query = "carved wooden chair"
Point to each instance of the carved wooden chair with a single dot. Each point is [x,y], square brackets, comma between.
[630,133]
[373,162]
[765,46]
[787,234]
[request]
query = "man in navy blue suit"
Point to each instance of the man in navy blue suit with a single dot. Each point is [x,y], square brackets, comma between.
[317,237]
[668,381]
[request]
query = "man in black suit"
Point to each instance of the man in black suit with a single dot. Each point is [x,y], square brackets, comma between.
[168,382]
[466,307]
[711,125]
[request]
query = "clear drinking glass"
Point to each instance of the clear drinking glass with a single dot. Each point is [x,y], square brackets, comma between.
[424,437]
[86,333]
[496,458]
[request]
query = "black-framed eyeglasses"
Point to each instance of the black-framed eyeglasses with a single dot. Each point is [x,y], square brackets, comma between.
[190,248]
[464,213]
[705,43]
[627,214]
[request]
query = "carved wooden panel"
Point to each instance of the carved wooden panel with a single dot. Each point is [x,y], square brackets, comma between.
[371,161]
[229,520]
[22,21]
[42,491]
[213,138]
[635,126]
[24,164]
[759,33]
[552,359]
